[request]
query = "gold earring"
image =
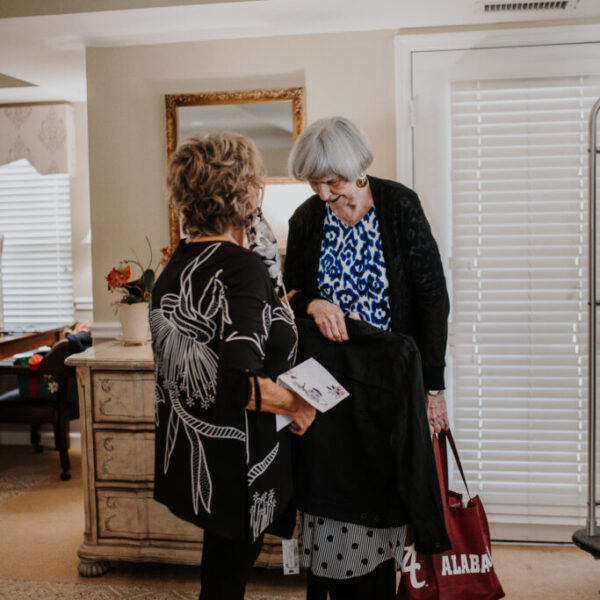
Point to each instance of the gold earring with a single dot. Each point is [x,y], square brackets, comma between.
[362,181]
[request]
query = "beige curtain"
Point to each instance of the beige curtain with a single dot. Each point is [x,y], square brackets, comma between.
[38,132]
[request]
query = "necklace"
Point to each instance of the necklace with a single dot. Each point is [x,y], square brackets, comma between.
[227,234]
[225,237]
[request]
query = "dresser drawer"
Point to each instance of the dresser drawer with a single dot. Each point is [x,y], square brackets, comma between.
[136,515]
[124,455]
[123,397]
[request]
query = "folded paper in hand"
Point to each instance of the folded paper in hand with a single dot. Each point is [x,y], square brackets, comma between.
[313,382]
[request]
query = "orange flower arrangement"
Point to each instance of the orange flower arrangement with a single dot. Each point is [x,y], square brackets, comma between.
[139,290]
[118,277]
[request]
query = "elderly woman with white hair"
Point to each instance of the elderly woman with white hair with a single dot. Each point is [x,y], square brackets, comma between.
[362,248]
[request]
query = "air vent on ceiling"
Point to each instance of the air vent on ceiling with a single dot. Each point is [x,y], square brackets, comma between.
[490,6]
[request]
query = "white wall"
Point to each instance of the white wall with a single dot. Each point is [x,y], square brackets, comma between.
[348,74]
[80,218]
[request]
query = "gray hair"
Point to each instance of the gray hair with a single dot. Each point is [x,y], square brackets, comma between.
[330,146]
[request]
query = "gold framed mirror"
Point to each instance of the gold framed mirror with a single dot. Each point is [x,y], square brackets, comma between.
[273,118]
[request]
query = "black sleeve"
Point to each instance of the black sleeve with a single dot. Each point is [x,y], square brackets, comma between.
[416,476]
[297,264]
[245,330]
[425,275]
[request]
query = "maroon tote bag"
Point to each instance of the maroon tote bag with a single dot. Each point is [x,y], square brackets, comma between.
[465,572]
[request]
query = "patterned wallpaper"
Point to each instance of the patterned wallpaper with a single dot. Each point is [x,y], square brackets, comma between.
[39,133]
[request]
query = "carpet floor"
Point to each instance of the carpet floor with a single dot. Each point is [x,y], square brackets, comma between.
[12,485]
[37,590]
[41,525]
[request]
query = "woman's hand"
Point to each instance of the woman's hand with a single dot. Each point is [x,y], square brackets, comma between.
[302,413]
[281,401]
[329,319]
[437,413]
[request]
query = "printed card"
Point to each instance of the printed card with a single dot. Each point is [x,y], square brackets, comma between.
[313,382]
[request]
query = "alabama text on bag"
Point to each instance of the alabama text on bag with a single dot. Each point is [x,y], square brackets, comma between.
[466,572]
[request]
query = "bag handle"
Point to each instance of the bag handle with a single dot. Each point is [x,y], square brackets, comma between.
[441,464]
[443,437]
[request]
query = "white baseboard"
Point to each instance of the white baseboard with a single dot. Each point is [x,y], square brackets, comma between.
[105,330]
[534,532]
[84,303]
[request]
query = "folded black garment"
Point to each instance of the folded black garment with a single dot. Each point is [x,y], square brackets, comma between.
[369,460]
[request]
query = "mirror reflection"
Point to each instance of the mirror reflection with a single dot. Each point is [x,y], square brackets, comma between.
[273,118]
[269,124]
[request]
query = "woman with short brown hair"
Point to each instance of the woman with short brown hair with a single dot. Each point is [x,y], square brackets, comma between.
[220,337]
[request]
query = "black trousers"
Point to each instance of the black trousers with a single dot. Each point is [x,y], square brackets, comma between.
[226,567]
[379,584]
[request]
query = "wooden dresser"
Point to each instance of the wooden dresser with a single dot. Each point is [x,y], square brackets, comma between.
[122,521]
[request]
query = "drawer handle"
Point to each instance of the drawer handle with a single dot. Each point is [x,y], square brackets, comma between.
[103,403]
[107,521]
[105,463]
[109,447]
[111,503]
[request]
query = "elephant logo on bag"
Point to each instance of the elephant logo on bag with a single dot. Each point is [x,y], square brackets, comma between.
[410,565]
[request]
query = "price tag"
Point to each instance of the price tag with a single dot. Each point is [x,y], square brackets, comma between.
[290,557]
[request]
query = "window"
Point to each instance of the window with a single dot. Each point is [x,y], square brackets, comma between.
[35,219]
[519,209]
[500,163]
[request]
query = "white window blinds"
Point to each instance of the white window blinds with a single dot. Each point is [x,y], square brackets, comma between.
[518,337]
[35,219]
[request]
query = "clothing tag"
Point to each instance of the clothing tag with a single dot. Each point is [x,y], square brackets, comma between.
[290,557]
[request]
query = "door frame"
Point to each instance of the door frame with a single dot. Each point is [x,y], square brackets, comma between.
[407,44]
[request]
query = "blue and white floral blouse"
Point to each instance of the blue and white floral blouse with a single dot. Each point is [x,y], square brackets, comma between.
[352,270]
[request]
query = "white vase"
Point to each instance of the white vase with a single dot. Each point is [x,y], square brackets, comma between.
[134,322]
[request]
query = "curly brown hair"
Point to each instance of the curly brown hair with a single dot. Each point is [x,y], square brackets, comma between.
[213,178]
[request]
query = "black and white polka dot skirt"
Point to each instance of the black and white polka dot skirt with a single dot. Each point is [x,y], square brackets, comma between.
[339,550]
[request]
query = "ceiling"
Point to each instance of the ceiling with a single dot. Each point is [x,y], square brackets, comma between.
[42,42]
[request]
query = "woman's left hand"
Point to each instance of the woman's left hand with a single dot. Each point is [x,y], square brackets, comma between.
[303,414]
[329,318]
[437,413]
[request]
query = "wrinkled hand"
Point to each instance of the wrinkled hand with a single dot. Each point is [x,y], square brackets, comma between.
[437,413]
[329,319]
[302,413]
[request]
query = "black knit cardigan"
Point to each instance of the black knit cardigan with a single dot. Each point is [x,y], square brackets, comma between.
[417,286]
